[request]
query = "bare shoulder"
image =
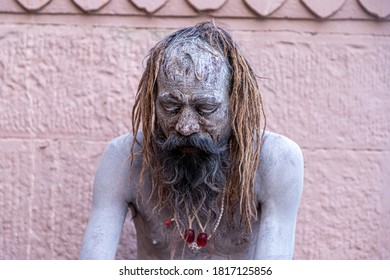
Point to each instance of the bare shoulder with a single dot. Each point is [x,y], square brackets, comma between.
[115,168]
[280,168]
[121,145]
[276,148]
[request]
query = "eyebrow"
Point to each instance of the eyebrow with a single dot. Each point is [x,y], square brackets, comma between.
[174,97]
[169,96]
[210,99]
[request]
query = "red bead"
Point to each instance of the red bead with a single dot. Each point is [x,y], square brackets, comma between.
[189,235]
[202,239]
[168,222]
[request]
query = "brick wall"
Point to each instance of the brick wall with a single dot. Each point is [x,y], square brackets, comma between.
[68,75]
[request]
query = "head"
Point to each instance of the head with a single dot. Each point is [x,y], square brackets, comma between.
[200,111]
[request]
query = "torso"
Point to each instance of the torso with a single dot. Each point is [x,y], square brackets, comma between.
[155,240]
[278,188]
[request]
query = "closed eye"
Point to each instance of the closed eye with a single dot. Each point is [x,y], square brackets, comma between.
[172,108]
[206,109]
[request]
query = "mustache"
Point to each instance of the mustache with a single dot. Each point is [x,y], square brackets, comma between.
[206,145]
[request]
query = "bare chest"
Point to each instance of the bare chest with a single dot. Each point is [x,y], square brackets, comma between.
[157,239]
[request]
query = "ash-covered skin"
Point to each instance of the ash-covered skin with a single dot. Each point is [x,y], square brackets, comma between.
[193,92]
[193,103]
[193,99]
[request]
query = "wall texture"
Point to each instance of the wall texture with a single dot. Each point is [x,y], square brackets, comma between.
[68,75]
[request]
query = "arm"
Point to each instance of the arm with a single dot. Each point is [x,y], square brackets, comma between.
[281,180]
[111,195]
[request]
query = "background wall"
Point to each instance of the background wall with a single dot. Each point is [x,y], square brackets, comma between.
[69,72]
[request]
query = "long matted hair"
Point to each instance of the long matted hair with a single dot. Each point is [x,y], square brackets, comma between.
[246,111]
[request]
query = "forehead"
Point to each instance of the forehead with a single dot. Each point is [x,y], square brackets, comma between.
[193,66]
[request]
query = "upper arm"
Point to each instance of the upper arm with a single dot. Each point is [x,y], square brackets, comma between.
[112,193]
[281,179]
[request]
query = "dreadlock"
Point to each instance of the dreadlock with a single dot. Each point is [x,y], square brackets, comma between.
[246,112]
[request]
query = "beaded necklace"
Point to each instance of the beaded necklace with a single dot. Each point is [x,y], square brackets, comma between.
[189,234]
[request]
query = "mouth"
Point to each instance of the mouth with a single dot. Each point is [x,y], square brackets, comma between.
[189,150]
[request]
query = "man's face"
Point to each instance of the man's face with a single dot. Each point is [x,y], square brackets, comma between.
[193,95]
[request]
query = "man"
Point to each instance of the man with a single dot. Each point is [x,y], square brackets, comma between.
[202,177]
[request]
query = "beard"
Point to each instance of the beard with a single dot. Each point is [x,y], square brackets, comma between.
[191,172]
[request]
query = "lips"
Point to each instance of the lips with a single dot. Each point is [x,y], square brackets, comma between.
[189,150]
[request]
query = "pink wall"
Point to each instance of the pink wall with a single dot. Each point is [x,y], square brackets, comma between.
[69,71]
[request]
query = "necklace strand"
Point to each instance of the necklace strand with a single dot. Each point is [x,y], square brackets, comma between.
[189,234]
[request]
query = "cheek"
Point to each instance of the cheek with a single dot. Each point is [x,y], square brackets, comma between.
[164,122]
[225,125]
[218,127]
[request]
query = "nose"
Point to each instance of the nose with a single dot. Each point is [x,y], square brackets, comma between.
[187,123]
